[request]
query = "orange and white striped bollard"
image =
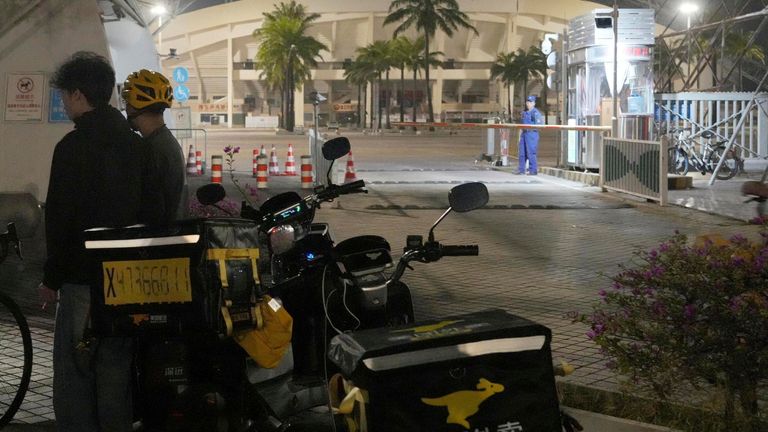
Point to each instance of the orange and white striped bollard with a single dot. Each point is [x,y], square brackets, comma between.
[306,172]
[217,162]
[262,176]
[256,162]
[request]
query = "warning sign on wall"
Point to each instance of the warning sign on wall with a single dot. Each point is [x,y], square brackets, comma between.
[24,97]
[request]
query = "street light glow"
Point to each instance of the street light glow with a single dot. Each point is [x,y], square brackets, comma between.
[689,8]
[158,10]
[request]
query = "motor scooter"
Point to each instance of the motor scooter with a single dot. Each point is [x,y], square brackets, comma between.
[331,288]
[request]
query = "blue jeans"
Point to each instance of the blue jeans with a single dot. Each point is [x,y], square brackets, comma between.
[97,399]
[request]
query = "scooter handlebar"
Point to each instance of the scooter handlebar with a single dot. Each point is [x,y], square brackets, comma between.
[460,250]
[350,187]
[332,191]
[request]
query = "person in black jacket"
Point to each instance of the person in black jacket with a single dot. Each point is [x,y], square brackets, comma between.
[147,94]
[96,181]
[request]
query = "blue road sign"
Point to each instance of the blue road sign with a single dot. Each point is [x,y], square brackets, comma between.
[181,93]
[56,113]
[181,75]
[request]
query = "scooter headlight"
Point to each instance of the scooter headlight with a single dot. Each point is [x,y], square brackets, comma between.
[282,238]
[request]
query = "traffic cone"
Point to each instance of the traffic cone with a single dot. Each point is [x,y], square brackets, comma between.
[262,175]
[191,163]
[256,162]
[217,161]
[263,152]
[274,165]
[306,172]
[349,175]
[290,163]
[199,162]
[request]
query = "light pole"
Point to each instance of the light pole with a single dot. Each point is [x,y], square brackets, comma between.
[688,9]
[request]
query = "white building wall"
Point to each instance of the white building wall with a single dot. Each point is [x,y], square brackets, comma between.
[39,43]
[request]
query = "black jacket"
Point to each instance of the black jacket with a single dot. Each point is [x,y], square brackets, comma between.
[169,169]
[96,181]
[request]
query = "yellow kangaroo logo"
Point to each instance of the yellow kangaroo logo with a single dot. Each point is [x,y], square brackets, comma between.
[465,403]
[427,328]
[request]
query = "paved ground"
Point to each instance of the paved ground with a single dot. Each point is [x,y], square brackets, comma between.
[545,243]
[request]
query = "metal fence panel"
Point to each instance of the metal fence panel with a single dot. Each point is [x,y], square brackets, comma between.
[197,138]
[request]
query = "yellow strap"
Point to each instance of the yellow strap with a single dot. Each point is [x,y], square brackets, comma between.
[354,397]
[258,318]
[222,255]
[227,320]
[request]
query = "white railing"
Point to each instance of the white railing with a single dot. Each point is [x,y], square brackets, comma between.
[634,167]
[722,114]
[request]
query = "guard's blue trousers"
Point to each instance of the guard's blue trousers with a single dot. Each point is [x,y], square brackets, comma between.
[529,145]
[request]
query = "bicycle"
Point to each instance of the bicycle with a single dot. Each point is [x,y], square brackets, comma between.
[15,341]
[683,155]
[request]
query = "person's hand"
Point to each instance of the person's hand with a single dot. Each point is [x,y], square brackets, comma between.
[47,295]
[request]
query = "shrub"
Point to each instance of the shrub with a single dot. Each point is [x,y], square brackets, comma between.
[690,314]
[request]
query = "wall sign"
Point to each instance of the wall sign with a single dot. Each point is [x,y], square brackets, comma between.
[24,97]
[181,75]
[56,113]
[181,93]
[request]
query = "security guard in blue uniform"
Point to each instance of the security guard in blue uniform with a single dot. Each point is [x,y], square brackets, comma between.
[529,139]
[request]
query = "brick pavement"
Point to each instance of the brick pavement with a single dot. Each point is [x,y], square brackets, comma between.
[543,244]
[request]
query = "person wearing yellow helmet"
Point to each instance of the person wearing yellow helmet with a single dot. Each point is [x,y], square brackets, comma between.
[147,94]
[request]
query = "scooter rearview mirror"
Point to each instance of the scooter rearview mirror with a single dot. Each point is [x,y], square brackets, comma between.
[468,196]
[210,194]
[336,148]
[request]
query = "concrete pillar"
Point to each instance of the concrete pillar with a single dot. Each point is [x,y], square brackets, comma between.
[298,106]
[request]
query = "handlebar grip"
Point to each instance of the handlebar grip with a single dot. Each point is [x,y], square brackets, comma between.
[460,250]
[348,187]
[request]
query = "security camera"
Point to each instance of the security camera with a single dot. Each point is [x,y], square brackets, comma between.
[317,97]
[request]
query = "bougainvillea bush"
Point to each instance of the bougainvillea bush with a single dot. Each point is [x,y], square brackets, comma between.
[691,315]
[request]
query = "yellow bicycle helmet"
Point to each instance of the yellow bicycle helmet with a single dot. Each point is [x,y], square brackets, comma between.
[145,88]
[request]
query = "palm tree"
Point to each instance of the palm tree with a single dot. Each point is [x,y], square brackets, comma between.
[360,73]
[286,55]
[532,65]
[293,10]
[376,54]
[427,16]
[507,69]
[402,50]
[737,45]
[417,63]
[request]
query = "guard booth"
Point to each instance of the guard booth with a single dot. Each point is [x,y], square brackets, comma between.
[589,81]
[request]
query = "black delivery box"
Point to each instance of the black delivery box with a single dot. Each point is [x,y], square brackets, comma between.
[198,274]
[488,371]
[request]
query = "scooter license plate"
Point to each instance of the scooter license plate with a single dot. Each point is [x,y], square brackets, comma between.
[147,281]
